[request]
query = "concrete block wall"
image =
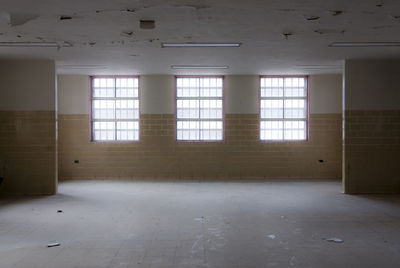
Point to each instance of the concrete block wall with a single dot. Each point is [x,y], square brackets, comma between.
[28,127]
[240,155]
[372,127]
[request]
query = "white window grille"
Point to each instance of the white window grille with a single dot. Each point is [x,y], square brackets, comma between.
[199,108]
[283,108]
[115,108]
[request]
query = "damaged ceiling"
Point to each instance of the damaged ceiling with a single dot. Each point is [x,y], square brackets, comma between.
[125,37]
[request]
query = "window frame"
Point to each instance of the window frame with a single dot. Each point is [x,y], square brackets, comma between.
[91,77]
[307,119]
[176,108]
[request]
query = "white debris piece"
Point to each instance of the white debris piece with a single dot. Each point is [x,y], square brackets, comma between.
[272,236]
[335,240]
[53,244]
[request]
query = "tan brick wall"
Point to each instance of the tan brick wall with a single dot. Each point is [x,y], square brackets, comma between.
[27,152]
[372,148]
[241,155]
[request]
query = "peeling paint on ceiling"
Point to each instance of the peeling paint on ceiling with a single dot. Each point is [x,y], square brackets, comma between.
[312,17]
[15,19]
[330,31]
[18,19]
[336,12]
[276,35]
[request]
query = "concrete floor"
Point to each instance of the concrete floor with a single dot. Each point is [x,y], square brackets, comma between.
[206,224]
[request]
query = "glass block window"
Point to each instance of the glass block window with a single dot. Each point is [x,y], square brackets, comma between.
[199,108]
[283,108]
[115,108]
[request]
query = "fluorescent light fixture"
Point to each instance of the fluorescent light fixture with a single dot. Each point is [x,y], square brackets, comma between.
[365,44]
[200,44]
[35,44]
[81,67]
[318,67]
[198,67]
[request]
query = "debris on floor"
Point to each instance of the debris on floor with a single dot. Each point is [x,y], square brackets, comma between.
[335,240]
[201,219]
[272,236]
[60,211]
[53,244]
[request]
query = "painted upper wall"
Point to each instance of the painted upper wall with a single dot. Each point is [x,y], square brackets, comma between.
[27,85]
[157,94]
[326,94]
[241,94]
[73,94]
[372,85]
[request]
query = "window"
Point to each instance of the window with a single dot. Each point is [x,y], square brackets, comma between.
[199,108]
[283,108]
[115,108]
